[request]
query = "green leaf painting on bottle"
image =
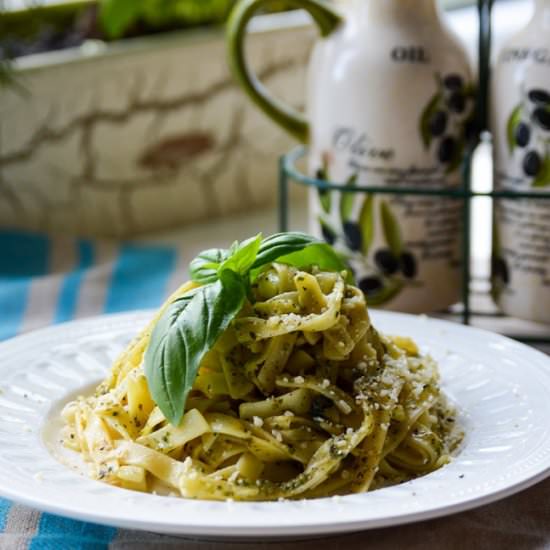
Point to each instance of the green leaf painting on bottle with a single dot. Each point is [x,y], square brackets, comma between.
[429,114]
[394,267]
[366,222]
[386,271]
[392,231]
[383,272]
[347,199]
[511,127]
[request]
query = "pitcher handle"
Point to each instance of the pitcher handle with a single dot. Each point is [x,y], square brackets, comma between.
[326,19]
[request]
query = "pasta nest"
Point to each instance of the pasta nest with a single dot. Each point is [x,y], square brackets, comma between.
[301,397]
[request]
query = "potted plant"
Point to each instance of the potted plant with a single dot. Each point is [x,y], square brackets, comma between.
[120,117]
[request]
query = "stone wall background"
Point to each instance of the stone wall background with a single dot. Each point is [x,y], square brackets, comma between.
[145,139]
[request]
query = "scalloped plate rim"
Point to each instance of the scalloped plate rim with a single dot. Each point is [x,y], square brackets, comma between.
[298,526]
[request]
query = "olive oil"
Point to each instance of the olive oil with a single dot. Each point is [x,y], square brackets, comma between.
[521,134]
[391,103]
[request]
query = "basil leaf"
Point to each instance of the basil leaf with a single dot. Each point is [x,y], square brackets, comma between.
[204,268]
[243,255]
[320,254]
[278,245]
[183,335]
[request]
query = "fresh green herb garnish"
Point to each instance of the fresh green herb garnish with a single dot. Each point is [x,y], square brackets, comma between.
[192,324]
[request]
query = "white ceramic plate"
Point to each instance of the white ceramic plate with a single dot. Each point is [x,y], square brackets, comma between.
[501,387]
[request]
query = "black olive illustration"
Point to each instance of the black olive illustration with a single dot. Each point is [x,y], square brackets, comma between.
[438,123]
[408,265]
[499,269]
[446,149]
[453,82]
[522,134]
[541,116]
[386,261]
[352,233]
[538,96]
[457,102]
[371,285]
[531,163]
[328,235]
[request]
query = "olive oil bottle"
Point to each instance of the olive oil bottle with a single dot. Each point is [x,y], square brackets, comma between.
[389,102]
[521,135]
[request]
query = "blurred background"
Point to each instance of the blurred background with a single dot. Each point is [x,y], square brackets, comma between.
[120,117]
[120,121]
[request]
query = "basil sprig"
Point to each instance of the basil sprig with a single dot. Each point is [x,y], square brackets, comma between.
[192,324]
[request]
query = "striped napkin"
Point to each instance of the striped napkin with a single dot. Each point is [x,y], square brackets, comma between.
[47,280]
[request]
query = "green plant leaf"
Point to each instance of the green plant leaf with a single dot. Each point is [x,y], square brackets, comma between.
[116,16]
[513,120]
[543,177]
[204,268]
[320,254]
[366,223]
[183,335]
[426,117]
[242,255]
[390,226]
[347,200]
[280,244]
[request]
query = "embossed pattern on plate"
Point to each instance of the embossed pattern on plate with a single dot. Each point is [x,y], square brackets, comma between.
[502,389]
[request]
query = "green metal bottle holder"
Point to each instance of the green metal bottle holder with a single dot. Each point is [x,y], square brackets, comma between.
[289,173]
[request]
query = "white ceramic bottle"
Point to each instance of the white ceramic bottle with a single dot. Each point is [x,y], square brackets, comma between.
[521,135]
[389,101]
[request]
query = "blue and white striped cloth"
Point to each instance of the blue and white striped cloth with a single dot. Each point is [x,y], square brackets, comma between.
[47,280]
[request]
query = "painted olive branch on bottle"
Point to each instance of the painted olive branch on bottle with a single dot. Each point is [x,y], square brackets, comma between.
[528,129]
[392,267]
[449,101]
